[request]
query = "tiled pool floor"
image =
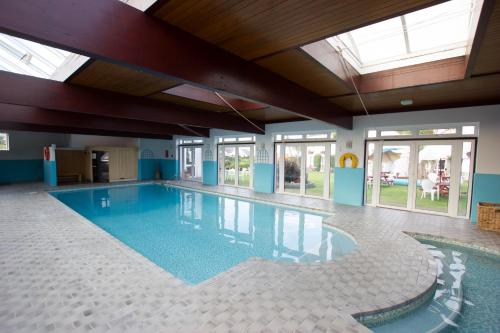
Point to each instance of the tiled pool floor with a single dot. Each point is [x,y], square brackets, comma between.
[59,272]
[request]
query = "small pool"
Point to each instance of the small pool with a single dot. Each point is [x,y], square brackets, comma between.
[195,236]
[467,299]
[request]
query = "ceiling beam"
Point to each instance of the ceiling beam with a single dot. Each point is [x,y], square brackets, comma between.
[95,28]
[74,130]
[479,24]
[36,116]
[47,94]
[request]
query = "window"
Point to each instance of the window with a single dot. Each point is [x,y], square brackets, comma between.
[4,142]
[437,131]
[317,136]
[237,139]
[372,133]
[321,136]
[395,133]
[468,130]
[404,40]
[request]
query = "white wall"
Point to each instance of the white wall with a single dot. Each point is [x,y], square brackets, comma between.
[82,141]
[29,145]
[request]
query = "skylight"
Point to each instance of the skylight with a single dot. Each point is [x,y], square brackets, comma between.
[142,5]
[29,58]
[434,33]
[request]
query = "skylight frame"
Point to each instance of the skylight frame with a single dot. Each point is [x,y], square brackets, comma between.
[348,46]
[25,57]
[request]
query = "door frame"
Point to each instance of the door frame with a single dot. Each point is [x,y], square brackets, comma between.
[280,166]
[455,172]
[181,161]
[221,163]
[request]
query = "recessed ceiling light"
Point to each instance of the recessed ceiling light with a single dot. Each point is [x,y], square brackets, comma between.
[406,102]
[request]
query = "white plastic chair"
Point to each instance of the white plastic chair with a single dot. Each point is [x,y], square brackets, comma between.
[428,187]
[433,177]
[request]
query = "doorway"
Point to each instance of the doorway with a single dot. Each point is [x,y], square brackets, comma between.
[191,163]
[420,175]
[305,168]
[236,165]
[100,166]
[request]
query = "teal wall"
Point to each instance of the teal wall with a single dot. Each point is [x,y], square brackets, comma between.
[147,168]
[170,169]
[349,185]
[21,171]
[50,173]
[263,179]
[486,188]
[209,172]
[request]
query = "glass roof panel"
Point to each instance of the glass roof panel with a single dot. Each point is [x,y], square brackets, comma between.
[434,33]
[21,56]
[379,41]
[447,23]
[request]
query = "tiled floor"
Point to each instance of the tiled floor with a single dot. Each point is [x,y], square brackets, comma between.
[58,272]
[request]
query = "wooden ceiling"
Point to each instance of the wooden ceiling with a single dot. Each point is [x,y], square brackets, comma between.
[253,29]
[270,34]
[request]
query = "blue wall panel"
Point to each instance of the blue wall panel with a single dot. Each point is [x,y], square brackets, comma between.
[486,188]
[21,171]
[349,186]
[209,173]
[170,169]
[50,173]
[147,168]
[263,179]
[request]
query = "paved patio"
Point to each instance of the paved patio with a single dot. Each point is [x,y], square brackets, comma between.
[59,272]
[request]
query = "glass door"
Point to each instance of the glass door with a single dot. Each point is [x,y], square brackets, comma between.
[244,166]
[421,175]
[394,174]
[316,171]
[229,165]
[237,162]
[434,175]
[293,168]
[191,163]
[305,168]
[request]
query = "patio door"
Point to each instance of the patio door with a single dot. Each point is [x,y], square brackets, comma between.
[420,175]
[191,163]
[305,168]
[236,165]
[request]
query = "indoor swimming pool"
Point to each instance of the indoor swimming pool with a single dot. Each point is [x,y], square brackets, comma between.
[467,299]
[195,235]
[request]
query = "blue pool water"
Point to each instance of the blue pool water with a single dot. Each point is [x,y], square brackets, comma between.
[196,236]
[467,298]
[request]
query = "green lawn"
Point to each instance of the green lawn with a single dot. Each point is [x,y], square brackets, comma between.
[317,179]
[397,195]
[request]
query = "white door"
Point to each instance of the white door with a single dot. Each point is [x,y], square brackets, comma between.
[191,163]
[236,165]
[422,175]
[305,168]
